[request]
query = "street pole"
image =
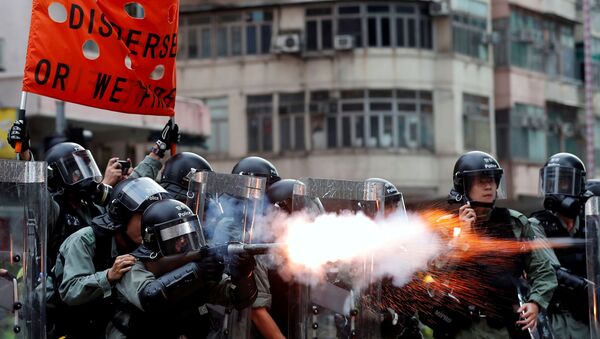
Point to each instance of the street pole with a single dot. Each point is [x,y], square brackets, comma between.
[589,94]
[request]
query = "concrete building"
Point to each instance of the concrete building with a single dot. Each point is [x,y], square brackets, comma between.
[538,89]
[346,90]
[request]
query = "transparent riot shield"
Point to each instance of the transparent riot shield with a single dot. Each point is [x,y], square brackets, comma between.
[23,210]
[228,206]
[592,234]
[336,307]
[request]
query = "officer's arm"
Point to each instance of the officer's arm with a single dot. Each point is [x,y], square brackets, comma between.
[81,283]
[172,288]
[265,323]
[149,167]
[260,315]
[538,265]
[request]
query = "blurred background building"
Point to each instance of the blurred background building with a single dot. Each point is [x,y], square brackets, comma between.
[350,90]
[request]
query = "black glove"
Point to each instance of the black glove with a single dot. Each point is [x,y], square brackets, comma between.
[211,268]
[168,136]
[241,266]
[18,132]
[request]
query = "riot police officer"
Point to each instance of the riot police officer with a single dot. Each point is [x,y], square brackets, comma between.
[78,195]
[174,177]
[260,167]
[393,199]
[93,259]
[160,296]
[563,186]
[477,184]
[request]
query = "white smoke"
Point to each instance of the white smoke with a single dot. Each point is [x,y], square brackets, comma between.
[354,247]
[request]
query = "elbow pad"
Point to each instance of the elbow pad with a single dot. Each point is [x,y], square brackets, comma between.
[172,288]
[245,292]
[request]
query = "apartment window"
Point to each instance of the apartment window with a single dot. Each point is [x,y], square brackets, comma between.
[319,29]
[527,135]
[469,25]
[291,121]
[379,25]
[371,24]
[320,106]
[225,35]
[536,43]
[567,51]
[597,142]
[349,22]
[381,119]
[218,142]
[476,123]
[563,129]
[259,110]
[527,41]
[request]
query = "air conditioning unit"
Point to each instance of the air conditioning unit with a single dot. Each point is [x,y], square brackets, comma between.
[525,36]
[492,38]
[439,8]
[538,123]
[567,129]
[287,43]
[343,42]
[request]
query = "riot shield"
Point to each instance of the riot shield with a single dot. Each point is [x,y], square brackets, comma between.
[592,234]
[23,213]
[228,206]
[336,307]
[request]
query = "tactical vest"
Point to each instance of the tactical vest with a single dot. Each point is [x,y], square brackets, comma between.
[88,320]
[573,258]
[72,217]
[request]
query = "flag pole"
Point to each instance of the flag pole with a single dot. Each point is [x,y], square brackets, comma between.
[173,145]
[21,116]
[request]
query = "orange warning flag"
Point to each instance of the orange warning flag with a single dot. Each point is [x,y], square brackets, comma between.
[113,54]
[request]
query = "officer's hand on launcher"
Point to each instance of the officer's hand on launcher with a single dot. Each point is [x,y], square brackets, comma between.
[529,315]
[113,173]
[211,268]
[241,266]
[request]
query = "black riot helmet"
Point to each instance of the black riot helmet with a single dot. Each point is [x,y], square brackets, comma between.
[174,176]
[468,168]
[281,193]
[562,184]
[133,195]
[258,167]
[393,198]
[71,167]
[170,227]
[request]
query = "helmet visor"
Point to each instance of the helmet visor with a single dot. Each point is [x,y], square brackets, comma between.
[179,236]
[138,191]
[560,180]
[484,185]
[77,167]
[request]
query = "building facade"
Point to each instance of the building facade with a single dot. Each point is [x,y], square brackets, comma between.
[347,90]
